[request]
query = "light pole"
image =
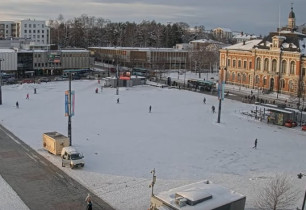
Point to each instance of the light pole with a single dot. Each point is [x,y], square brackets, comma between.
[153,181]
[300,175]
[0,82]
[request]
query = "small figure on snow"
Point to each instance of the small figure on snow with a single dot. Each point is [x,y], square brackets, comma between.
[204,100]
[117,100]
[88,198]
[28,96]
[213,109]
[255,144]
[97,90]
[150,108]
[17,104]
[34,90]
[88,201]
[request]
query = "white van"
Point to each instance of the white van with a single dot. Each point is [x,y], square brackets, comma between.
[70,156]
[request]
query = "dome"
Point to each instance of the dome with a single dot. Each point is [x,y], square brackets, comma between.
[291,14]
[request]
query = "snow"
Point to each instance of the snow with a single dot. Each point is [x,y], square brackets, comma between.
[123,142]
[248,45]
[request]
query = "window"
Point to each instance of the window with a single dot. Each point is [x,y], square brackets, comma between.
[25,31]
[34,25]
[264,81]
[42,36]
[250,65]
[42,25]
[30,31]
[257,79]
[244,64]
[239,77]
[34,31]
[38,31]
[6,26]
[243,77]
[292,67]
[25,25]
[282,84]
[266,64]
[258,63]
[234,63]
[303,71]
[38,36]
[229,62]
[239,63]
[274,64]
[30,25]
[34,36]
[290,85]
[233,76]
[284,67]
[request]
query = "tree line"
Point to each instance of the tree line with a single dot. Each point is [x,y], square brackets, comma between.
[89,31]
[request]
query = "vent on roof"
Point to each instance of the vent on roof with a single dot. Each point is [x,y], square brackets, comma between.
[193,197]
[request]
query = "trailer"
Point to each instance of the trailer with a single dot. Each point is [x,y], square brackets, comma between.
[54,142]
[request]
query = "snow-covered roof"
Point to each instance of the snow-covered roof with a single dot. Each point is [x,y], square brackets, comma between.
[195,191]
[224,29]
[205,41]
[248,45]
[6,50]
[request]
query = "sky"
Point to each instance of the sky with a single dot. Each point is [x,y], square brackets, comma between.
[255,17]
[180,138]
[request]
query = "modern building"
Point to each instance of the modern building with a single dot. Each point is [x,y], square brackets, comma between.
[222,33]
[276,63]
[151,58]
[203,195]
[33,30]
[8,60]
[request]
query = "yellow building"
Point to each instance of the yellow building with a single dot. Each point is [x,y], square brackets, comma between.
[277,63]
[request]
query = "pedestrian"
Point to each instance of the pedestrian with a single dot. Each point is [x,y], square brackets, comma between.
[213,109]
[34,90]
[28,96]
[117,100]
[97,90]
[150,108]
[255,144]
[204,100]
[89,205]
[17,104]
[88,198]
[251,92]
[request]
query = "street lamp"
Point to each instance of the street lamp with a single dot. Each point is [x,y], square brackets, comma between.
[0,82]
[300,175]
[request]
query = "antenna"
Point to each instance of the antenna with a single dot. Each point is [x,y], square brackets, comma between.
[279,28]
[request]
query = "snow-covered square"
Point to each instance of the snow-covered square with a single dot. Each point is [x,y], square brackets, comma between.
[122,142]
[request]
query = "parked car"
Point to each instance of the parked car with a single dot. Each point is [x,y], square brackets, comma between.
[44,79]
[11,80]
[71,157]
[59,79]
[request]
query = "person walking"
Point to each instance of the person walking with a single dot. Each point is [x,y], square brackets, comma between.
[255,144]
[204,100]
[89,206]
[88,201]
[213,109]
[97,90]
[17,104]
[28,96]
[150,108]
[117,100]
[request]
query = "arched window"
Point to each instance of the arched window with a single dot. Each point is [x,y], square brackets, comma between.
[243,77]
[227,76]
[282,83]
[239,63]
[264,81]
[258,63]
[292,67]
[234,63]
[290,85]
[274,64]
[233,76]
[257,79]
[266,64]
[284,67]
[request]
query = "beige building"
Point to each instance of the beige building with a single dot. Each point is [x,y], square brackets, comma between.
[276,63]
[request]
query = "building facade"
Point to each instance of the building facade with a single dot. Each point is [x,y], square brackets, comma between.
[33,30]
[151,58]
[276,63]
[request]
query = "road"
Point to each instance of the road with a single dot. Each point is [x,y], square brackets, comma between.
[39,183]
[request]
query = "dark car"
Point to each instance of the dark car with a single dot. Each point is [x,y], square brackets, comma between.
[44,79]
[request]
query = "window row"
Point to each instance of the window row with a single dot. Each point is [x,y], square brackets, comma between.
[239,64]
[283,66]
[34,25]
[34,31]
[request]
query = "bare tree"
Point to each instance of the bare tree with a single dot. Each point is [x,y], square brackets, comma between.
[279,193]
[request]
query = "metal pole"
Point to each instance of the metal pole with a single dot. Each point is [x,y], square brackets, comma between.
[219,111]
[304,201]
[117,90]
[69,107]
[0,83]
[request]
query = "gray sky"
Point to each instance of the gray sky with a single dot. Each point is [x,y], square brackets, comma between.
[249,16]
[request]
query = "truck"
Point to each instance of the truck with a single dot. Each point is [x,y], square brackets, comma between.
[54,142]
[71,157]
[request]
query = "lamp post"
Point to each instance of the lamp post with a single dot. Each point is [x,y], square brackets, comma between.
[0,82]
[300,175]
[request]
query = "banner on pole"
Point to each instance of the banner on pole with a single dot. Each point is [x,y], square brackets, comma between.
[69,105]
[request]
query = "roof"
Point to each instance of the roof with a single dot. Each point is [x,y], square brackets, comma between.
[248,45]
[7,51]
[213,195]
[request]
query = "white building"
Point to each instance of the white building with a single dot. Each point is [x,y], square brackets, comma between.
[222,33]
[35,30]
[9,60]
[202,195]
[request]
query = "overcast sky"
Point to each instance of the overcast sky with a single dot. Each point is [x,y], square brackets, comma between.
[250,16]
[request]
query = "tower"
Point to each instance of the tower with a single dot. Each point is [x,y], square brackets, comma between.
[291,19]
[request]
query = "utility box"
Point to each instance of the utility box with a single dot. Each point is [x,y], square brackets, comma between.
[54,142]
